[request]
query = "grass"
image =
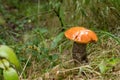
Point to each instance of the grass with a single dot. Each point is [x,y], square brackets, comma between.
[42,48]
[65,69]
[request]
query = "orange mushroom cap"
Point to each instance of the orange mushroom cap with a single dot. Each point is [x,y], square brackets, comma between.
[81,35]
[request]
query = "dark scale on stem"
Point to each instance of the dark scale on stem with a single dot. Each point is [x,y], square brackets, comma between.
[79,52]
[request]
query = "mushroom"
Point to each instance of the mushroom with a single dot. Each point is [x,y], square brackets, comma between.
[81,37]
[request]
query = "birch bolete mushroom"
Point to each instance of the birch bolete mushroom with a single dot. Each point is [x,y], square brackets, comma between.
[81,37]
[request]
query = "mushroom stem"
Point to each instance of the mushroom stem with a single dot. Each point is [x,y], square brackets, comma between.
[79,52]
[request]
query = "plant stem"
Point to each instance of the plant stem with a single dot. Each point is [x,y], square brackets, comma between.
[79,52]
[58,14]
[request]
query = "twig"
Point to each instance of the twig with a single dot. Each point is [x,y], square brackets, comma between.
[77,68]
[25,66]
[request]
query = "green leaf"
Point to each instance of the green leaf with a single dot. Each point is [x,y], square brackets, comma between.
[7,53]
[4,64]
[10,74]
[60,48]
[83,12]
[54,57]
[2,20]
[56,40]
[62,16]
[113,61]
[85,1]
[43,30]
[102,67]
